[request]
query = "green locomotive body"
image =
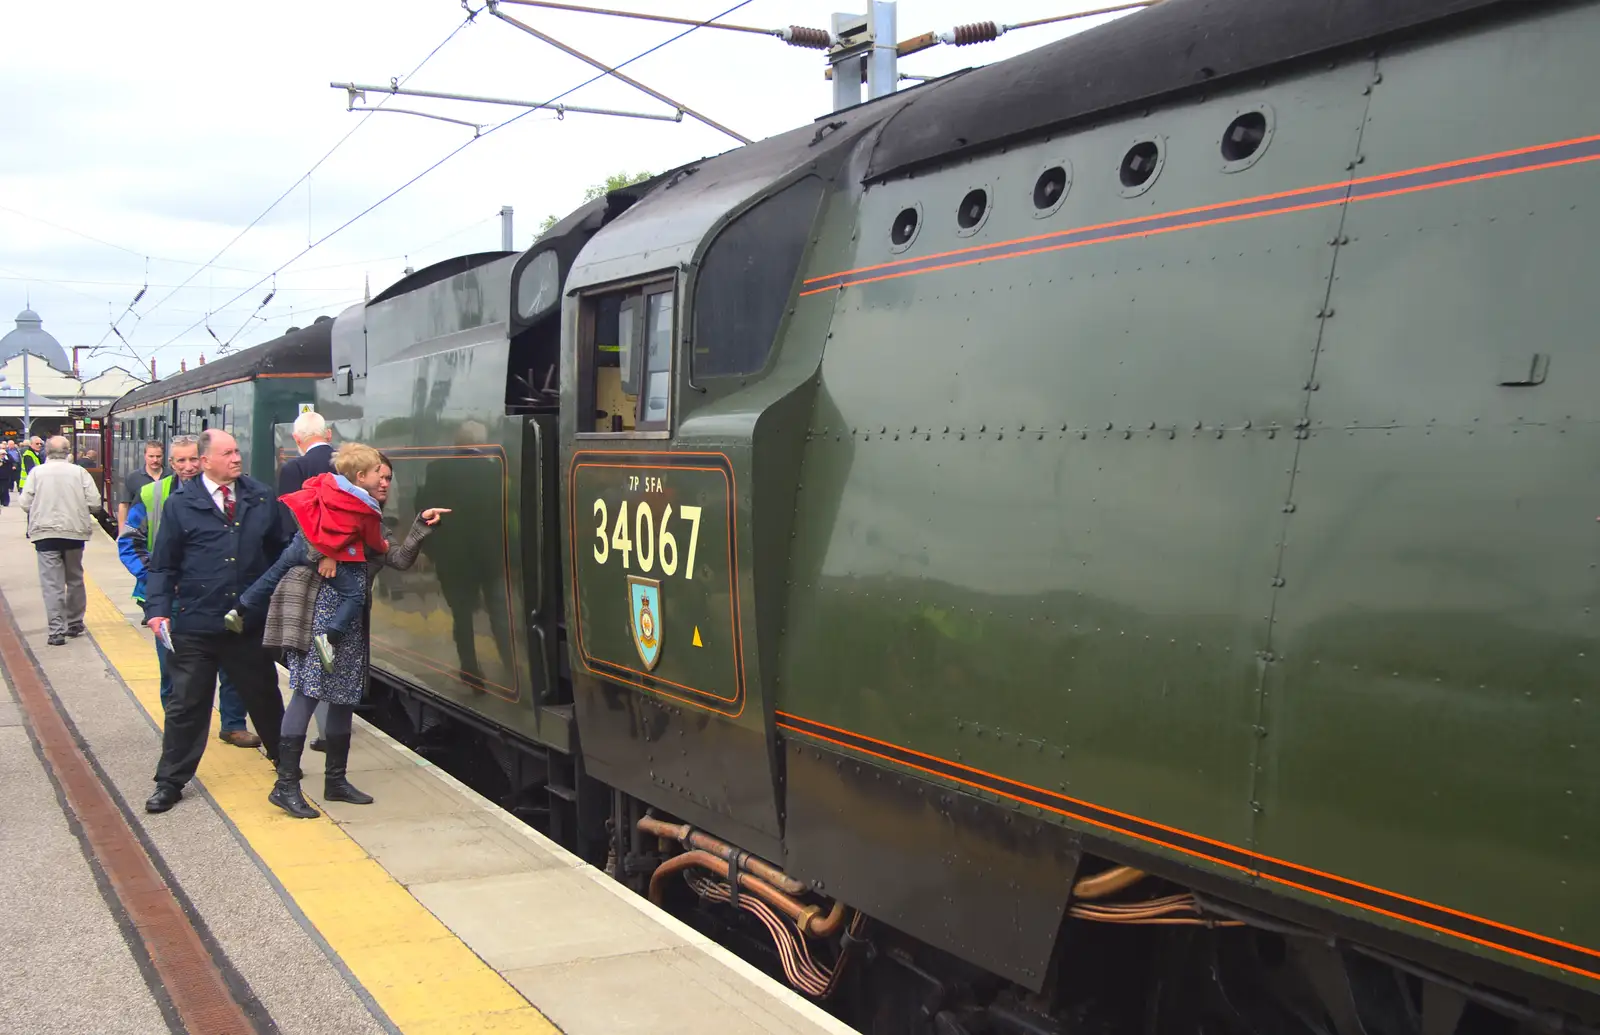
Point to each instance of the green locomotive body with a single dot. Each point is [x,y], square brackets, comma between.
[1208,479]
[1117,523]
[420,372]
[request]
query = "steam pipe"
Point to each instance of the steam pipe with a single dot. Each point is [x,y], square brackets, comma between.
[691,838]
[828,926]
[1107,882]
[748,881]
[809,919]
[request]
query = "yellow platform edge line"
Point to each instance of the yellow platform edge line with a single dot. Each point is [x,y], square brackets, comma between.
[418,972]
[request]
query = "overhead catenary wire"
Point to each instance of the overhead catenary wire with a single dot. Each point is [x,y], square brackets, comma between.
[614,73]
[642,16]
[449,155]
[821,39]
[136,284]
[64,285]
[137,318]
[398,255]
[471,15]
[272,314]
[112,244]
[255,314]
[988,31]
[361,90]
[1052,19]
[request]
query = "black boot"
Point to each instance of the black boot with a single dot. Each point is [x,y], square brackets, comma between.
[334,786]
[286,792]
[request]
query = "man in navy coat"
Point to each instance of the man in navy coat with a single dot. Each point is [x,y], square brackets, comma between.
[314,439]
[220,532]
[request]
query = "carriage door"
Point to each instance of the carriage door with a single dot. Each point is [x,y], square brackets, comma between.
[541,559]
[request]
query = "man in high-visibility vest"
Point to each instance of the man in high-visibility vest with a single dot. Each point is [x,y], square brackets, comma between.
[32,457]
[133,546]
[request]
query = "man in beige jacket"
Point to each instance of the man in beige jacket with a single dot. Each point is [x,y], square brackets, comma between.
[61,502]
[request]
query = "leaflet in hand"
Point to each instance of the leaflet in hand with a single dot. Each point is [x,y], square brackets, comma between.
[164,633]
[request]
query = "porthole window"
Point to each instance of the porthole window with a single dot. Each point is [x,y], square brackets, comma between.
[973,208]
[1050,188]
[973,211]
[1246,137]
[904,228]
[1140,167]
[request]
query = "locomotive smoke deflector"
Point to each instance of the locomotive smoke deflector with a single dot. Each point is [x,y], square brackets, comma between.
[538,286]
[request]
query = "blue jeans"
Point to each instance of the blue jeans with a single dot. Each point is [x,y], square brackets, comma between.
[346,583]
[229,707]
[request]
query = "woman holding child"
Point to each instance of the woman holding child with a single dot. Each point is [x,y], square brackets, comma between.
[320,602]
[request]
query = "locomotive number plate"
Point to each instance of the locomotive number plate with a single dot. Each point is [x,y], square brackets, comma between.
[655,573]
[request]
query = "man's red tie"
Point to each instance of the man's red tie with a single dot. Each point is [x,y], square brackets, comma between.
[227,503]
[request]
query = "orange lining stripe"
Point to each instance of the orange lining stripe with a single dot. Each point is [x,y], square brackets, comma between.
[1201,855]
[1184,833]
[1230,204]
[1441,930]
[1154,232]
[1024,801]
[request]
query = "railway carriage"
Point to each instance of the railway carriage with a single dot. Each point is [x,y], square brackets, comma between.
[245,393]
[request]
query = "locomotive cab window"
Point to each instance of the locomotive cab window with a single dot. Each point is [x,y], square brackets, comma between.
[628,338]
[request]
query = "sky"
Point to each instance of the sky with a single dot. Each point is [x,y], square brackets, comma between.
[138,142]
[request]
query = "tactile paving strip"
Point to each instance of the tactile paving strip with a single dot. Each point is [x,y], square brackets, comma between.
[192,981]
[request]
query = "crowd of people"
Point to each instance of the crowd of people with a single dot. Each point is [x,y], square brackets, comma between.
[233,576]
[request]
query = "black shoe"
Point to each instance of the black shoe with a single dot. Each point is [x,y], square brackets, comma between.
[334,786]
[164,798]
[75,631]
[286,792]
[56,640]
[319,745]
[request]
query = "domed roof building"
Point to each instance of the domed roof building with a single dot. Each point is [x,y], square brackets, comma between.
[30,336]
[55,392]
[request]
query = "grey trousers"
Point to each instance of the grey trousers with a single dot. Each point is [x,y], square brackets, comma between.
[61,582]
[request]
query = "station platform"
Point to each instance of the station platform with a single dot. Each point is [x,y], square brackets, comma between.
[429,911]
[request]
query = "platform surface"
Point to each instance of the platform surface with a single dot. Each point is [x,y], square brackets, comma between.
[429,911]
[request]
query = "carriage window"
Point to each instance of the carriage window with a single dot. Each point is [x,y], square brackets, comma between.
[631,334]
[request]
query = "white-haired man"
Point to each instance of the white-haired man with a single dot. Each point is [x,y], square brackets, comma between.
[314,439]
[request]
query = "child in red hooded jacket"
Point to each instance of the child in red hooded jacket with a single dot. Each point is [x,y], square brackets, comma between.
[340,521]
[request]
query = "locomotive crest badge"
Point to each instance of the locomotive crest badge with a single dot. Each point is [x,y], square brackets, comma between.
[644,616]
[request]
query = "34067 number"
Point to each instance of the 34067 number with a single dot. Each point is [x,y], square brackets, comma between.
[639,541]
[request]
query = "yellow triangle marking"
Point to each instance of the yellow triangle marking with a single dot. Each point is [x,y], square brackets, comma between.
[697,642]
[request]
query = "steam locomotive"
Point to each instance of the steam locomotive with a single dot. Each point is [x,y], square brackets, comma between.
[1102,542]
